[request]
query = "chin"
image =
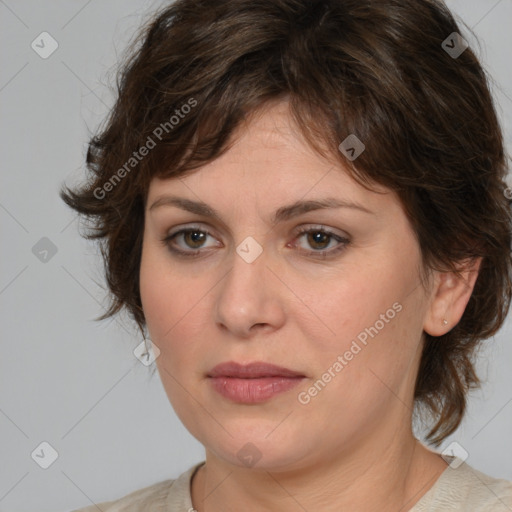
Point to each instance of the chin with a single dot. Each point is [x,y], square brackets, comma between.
[256,445]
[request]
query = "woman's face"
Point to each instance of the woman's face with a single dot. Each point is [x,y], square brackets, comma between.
[340,305]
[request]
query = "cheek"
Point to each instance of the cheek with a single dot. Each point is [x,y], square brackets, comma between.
[364,332]
[166,295]
[171,306]
[336,311]
[175,305]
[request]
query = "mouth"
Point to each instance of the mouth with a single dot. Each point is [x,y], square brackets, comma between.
[252,383]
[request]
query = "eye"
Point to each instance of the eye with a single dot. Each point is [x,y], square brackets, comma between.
[193,238]
[321,239]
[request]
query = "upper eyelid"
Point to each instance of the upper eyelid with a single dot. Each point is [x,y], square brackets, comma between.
[298,230]
[341,239]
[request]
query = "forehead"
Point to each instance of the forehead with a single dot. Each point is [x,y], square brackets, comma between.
[270,161]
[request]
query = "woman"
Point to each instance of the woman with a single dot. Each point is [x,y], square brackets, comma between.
[302,205]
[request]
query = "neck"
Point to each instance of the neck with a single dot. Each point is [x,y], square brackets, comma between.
[362,478]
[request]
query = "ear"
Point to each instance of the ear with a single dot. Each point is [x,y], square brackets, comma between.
[449,297]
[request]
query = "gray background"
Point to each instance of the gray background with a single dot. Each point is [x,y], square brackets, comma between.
[73,382]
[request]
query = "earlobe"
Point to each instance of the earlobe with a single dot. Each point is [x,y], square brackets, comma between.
[449,298]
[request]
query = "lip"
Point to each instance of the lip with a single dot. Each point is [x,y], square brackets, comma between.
[253,370]
[252,383]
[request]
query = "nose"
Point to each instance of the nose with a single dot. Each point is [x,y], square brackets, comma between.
[250,299]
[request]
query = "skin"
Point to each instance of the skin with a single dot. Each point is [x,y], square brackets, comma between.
[351,447]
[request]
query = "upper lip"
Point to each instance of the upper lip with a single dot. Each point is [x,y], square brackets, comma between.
[251,371]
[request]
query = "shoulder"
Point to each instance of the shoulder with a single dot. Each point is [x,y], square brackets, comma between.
[150,496]
[462,488]
[157,497]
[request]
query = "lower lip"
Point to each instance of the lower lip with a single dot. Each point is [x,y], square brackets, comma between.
[252,391]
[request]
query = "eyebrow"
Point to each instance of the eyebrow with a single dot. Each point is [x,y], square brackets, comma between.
[282,214]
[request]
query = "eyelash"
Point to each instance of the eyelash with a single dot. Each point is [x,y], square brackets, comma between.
[343,242]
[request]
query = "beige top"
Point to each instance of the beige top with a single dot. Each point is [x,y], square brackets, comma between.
[458,489]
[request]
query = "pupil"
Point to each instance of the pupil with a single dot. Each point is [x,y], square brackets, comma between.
[196,236]
[319,238]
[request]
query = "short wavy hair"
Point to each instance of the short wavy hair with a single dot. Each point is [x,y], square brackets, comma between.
[380,70]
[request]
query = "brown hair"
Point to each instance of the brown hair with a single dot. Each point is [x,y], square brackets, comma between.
[376,69]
